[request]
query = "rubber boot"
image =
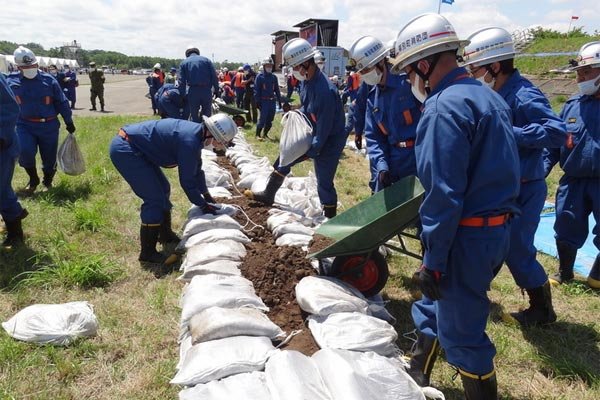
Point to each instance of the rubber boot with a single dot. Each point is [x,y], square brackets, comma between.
[34,180]
[593,279]
[566,260]
[14,231]
[166,235]
[267,196]
[330,210]
[148,239]
[540,311]
[265,133]
[423,358]
[48,177]
[258,133]
[93,108]
[101,106]
[479,387]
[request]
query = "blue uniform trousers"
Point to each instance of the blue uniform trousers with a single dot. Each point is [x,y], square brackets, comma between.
[42,135]
[576,198]
[10,208]
[239,97]
[459,318]
[147,180]
[521,260]
[153,99]
[267,114]
[199,97]
[71,94]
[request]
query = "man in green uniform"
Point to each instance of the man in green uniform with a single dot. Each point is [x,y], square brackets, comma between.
[97,89]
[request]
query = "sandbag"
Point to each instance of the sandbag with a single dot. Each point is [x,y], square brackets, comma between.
[222,267]
[220,192]
[221,250]
[218,323]
[217,359]
[70,159]
[292,227]
[248,386]
[206,222]
[216,235]
[246,182]
[293,376]
[293,239]
[185,343]
[296,137]
[322,295]
[354,331]
[57,324]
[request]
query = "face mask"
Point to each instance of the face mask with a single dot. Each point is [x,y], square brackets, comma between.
[268,69]
[589,87]
[299,76]
[372,77]
[212,144]
[30,73]
[416,90]
[488,84]
[53,72]
[321,66]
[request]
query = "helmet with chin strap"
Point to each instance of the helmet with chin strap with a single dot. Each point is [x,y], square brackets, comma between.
[221,127]
[366,52]
[24,57]
[297,51]
[487,46]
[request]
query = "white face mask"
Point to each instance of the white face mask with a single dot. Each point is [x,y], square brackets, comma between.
[30,73]
[372,77]
[298,75]
[321,66]
[211,144]
[53,72]
[488,84]
[415,88]
[268,69]
[589,87]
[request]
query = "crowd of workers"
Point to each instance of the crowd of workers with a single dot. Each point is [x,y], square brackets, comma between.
[456,113]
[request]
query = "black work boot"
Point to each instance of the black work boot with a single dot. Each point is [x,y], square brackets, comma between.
[479,387]
[34,180]
[267,196]
[540,311]
[166,235]
[48,177]
[148,238]
[593,279]
[102,107]
[329,210]
[566,260]
[266,133]
[258,133]
[423,358]
[14,231]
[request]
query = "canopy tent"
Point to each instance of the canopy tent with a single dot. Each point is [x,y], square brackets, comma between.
[43,61]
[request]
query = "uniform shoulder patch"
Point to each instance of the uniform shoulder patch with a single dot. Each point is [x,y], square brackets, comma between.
[572,120]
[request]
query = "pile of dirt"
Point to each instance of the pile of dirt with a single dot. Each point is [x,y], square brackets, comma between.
[318,243]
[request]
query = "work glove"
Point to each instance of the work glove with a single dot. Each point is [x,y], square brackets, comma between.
[208,198]
[70,127]
[210,209]
[429,283]
[286,107]
[358,141]
[384,178]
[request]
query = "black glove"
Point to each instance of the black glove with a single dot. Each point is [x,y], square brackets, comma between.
[70,127]
[358,141]
[286,107]
[208,198]
[210,209]
[429,283]
[384,178]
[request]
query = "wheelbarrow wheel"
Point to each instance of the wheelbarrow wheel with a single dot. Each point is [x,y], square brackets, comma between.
[239,120]
[369,278]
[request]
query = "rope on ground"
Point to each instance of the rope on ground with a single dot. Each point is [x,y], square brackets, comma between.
[249,222]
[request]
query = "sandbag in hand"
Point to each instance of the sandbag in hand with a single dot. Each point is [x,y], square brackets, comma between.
[210,209]
[70,127]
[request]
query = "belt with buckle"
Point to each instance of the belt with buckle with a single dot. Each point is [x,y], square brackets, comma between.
[45,119]
[406,144]
[480,222]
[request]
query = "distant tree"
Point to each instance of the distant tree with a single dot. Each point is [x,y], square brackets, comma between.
[542,33]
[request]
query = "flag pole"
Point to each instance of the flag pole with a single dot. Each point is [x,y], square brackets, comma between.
[439,6]
[570,22]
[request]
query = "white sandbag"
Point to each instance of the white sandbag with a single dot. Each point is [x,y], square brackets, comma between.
[354,331]
[201,223]
[217,359]
[205,291]
[57,324]
[279,217]
[322,295]
[218,323]
[222,267]
[293,376]
[220,178]
[246,182]
[221,250]
[208,155]
[293,239]
[292,227]
[221,192]
[215,235]
[248,386]
[259,184]
[296,137]
[353,375]
[184,345]
[297,183]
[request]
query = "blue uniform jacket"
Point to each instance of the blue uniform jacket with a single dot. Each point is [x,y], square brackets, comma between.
[40,97]
[580,156]
[467,161]
[172,143]
[360,108]
[170,100]
[323,107]
[535,125]
[197,71]
[392,116]
[9,112]
[266,87]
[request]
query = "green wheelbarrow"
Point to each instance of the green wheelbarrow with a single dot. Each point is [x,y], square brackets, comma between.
[354,236]
[237,114]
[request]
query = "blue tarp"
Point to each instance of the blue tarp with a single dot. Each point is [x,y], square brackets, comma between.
[544,241]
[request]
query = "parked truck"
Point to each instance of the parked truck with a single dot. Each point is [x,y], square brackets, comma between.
[336,59]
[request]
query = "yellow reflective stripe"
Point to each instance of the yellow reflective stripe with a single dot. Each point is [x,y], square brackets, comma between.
[478,377]
[432,353]
[151,224]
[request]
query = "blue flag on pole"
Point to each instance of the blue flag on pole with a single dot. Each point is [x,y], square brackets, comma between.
[448,1]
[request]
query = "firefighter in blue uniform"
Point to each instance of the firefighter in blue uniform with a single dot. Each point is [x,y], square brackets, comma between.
[578,192]
[322,106]
[154,84]
[41,99]
[170,103]
[267,95]
[70,83]
[468,163]
[139,151]
[391,117]
[197,83]
[10,209]
[490,58]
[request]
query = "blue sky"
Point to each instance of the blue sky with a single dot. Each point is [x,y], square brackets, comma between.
[241,31]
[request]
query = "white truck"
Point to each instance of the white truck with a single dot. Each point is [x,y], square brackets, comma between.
[336,60]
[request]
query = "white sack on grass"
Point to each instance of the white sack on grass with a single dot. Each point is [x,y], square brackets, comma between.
[322,295]
[216,235]
[221,358]
[206,253]
[248,386]
[205,291]
[184,345]
[57,324]
[353,375]
[353,331]
[292,227]
[206,222]
[293,239]
[293,376]
[296,137]
[218,323]
[221,267]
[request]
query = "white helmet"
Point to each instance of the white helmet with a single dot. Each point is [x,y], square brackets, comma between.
[157,66]
[225,69]
[589,54]
[24,57]
[487,46]
[366,52]
[423,36]
[319,57]
[221,126]
[267,61]
[297,51]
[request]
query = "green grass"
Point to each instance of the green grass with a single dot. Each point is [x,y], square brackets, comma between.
[549,45]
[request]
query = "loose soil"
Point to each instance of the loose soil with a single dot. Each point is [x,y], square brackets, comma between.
[274,271]
[318,243]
